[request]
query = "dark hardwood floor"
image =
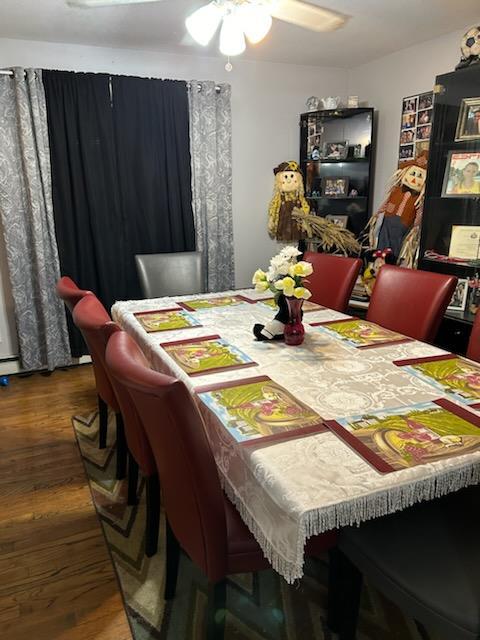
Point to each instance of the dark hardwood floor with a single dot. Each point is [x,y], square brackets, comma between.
[56,577]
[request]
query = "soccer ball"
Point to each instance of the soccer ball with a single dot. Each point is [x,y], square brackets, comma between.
[471,43]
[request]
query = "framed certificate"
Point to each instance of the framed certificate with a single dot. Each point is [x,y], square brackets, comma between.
[464,242]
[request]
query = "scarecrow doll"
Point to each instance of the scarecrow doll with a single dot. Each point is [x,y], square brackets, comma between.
[288,194]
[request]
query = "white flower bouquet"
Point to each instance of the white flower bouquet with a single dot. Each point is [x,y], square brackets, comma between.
[285,275]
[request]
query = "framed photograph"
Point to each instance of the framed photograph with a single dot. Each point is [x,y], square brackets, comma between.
[335,150]
[462,175]
[341,221]
[335,187]
[409,121]
[468,124]
[407,136]
[459,298]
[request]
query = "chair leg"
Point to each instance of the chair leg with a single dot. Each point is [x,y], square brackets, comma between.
[121,448]
[152,487]
[217,600]
[103,423]
[344,590]
[173,557]
[132,480]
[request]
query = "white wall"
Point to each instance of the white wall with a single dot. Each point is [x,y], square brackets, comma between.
[384,82]
[267,99]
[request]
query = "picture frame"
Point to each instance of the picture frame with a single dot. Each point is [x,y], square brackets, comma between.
[462,175]
[468,123]
[341,221]
[335,187]
[335,150]
[459,297]
[415,126]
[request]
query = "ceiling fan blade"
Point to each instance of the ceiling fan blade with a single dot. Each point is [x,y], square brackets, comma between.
[307,15]
[91,4]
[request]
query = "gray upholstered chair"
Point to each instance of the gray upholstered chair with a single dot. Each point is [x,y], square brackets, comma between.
[171,274]
[426,559]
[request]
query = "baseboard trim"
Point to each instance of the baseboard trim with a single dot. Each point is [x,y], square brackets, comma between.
[11,366]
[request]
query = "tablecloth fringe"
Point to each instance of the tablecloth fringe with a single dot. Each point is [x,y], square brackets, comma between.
[288,570]
[354,512]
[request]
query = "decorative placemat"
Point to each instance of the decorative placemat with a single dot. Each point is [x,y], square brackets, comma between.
[361,334]
[256,408]
[206,354]
[450,374]
[166,320]
[197,304]
[404,437]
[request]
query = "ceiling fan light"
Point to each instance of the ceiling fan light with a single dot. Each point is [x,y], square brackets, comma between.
[232,40]
[256,22]
[203,23]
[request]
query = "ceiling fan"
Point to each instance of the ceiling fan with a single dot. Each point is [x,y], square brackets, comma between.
[240,18]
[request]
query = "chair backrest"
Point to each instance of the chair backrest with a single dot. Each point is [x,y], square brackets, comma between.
[473,349]
[191,490]
[333,279]
[171,274]
[68,291]
[137,441]
[89,316]
[410,301]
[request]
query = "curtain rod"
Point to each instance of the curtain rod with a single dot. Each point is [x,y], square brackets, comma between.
[9,72]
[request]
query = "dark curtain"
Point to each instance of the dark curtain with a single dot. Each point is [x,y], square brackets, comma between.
[120,176]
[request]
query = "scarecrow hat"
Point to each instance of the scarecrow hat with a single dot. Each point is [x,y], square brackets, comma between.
[291,165]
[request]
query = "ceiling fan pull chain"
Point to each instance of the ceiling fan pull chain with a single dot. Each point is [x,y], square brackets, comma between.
[229,65]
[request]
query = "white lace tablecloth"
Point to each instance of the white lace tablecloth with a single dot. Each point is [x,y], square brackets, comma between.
[289,491]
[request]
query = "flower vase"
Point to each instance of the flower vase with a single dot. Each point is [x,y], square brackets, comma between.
[294,330]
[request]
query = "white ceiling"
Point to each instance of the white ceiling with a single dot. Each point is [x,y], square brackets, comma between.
[376,28]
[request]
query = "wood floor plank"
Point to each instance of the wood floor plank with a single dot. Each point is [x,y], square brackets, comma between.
[57,577]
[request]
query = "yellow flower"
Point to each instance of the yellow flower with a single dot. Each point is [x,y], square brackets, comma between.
[259,276]
[287,285]
[301,292]
[261,286]
[301,269]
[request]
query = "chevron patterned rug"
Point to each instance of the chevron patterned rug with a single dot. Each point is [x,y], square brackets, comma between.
[282,612]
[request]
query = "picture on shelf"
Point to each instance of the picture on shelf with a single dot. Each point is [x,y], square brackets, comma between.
[462,175]
[335,187]
[409,105]
[340,221]
[423,133]
[459,298]
[468,125]
[464,242]
[335,150]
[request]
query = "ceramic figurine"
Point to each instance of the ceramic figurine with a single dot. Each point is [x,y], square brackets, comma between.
[312,103]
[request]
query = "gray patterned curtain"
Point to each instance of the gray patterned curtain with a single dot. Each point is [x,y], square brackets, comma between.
[26,214]
[211,152]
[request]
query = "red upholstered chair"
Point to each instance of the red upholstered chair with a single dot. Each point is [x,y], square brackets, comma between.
[200,519]
[68,291]
[473,349]
[89,316]
[333,279]
[140,455]
[410,301]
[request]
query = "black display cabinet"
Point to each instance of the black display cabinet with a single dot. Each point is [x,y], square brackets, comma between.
[336,158]
[454,141]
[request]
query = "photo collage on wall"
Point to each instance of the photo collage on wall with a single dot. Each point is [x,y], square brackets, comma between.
[416,126]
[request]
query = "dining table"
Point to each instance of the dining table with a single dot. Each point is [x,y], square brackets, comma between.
[291,427]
